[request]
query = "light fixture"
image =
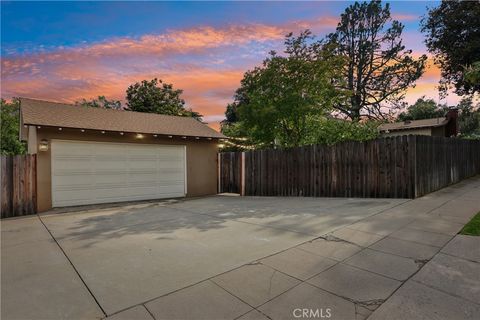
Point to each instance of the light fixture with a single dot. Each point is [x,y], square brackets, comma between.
[209,138]
[139,136]
[197,138]
[221,145]
[43,146]
[121,133]
[170,137]
[155,135]
[83,130]
[184,137]
[38,127]
[59,129]
[103,132]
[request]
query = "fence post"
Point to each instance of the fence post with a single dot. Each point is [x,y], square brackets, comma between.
[219,173]
[242,174]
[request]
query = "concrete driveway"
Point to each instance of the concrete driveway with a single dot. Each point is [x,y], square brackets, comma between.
[223,257]
[132,254]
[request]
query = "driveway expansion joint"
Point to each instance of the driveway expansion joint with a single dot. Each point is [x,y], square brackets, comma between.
[73,266]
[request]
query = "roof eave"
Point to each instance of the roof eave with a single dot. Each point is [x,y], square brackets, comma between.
[220,136]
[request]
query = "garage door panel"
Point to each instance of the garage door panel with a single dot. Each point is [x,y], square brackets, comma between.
[72,163]
[119,193]
[91,172]
[75,197]
[74,180]
[171,164]
[144,165]
[72,150]
[170,189]
[143,177]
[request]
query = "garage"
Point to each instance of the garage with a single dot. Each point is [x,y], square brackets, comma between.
[88,155]
[102,172]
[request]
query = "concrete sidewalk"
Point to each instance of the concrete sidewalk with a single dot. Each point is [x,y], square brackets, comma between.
[447,287]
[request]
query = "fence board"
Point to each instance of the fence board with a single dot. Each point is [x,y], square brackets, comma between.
[19,185]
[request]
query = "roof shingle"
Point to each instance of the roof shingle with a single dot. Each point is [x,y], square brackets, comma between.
[46,113]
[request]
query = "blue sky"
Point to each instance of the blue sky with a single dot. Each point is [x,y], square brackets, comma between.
[66,51]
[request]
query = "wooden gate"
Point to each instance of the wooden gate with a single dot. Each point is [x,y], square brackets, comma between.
[229,172]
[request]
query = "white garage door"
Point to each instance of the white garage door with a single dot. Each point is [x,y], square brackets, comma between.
[98,172]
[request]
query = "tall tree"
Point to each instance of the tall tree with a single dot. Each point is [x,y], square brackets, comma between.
[100,102]
[155,96]
[453,35]
[10,143]
[423,108]
[379,68]
[277,101]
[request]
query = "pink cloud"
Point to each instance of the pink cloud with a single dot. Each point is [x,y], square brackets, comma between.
[405,17]
[206,62]
[107,68]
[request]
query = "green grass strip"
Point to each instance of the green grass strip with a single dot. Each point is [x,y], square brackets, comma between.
[473,227]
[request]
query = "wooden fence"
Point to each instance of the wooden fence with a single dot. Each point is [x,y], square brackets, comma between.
[19,185]
[394,167]
[444,161]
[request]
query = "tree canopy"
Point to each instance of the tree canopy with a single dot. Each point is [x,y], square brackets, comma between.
[453,35]
[100,102]
[423,108]
[10,143]
[277,101]
[379,68]
[155,96]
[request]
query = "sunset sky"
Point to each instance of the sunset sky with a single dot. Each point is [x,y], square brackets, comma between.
[66,51]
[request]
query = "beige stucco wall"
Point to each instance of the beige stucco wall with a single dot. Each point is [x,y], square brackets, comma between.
[201,159]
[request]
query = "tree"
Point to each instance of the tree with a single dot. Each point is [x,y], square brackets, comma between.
[10,126]
[328,130]
[276,100]
[453,35]
[379,68]
[472,74]
[423,109]
[469,118]
[231,114]
[100,102]
[155,96]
